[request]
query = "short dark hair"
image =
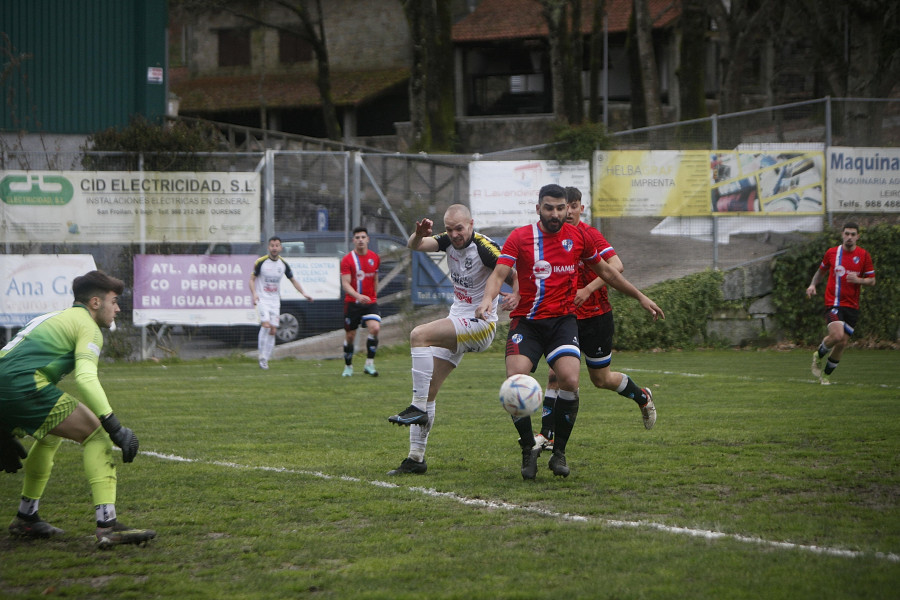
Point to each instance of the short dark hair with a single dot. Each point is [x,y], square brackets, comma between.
[274,238]
[573,194]
[552,190]
[95,283]
[360,229]
[851,225]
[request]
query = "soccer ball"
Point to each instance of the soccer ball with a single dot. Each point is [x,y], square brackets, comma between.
[521,395]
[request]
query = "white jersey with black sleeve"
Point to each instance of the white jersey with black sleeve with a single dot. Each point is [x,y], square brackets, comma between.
[470,269]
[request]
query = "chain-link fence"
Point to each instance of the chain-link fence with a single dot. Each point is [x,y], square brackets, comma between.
[313,199]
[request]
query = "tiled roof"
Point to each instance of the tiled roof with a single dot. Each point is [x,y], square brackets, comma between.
[521,19]
[241,92]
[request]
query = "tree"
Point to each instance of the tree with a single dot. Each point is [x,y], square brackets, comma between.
[563,18]
[692,61]
[857,46]
[596,50]
[643,26]
[740,24]
[431,84]
[310,28]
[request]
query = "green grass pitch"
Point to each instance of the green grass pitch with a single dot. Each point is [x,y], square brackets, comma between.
[756,482]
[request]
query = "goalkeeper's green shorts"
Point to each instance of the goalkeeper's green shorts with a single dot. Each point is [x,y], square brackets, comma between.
[36,412]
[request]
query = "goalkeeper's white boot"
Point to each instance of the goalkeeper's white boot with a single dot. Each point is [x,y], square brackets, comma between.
[120,534]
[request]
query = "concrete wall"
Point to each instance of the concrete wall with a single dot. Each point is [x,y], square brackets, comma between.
[754,325]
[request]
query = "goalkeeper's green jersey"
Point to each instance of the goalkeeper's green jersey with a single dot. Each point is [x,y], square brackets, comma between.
[50,347]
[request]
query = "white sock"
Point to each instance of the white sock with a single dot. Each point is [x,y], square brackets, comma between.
[418,435]
[261,342]
[422,370]
[270,346]
[105,513]
[29,506]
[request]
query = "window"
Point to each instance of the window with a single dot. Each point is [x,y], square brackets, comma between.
[293,49]
[234,48]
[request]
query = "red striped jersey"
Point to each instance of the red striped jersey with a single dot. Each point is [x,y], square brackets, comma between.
[547,268]
[363,269]
[838,262]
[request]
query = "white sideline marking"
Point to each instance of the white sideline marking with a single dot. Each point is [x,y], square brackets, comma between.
[498,504]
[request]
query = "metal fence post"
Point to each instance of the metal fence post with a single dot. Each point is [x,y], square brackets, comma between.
[357,190]
[715,221]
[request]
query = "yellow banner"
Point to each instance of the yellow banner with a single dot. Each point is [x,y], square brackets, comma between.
[650,183]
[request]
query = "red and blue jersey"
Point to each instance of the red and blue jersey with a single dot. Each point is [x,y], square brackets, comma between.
[547,268]
[598,302]
[362,269]
[839,263]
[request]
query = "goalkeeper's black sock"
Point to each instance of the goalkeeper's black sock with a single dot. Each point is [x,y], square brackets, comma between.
[371,346]
[830,365]
[823,350]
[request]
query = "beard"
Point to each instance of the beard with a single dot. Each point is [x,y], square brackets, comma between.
[552,225]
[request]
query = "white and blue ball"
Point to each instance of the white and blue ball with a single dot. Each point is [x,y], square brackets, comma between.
[521,395]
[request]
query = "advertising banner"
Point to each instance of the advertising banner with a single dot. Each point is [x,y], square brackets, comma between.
[863,179]
[505,193]
[319,276]
[126,207]
[35,284]
[767,183]
[700,183]
[650,183]
[188,289]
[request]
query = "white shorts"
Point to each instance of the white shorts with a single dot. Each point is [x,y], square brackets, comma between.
[472,335]
[269,312]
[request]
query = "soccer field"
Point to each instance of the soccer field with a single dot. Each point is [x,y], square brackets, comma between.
[756,482]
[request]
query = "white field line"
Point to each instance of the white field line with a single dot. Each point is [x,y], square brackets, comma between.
[499,504]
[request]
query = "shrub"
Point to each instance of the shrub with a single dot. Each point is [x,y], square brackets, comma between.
[688,303]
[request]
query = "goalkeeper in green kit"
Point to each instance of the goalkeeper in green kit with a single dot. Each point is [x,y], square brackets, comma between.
[31,364]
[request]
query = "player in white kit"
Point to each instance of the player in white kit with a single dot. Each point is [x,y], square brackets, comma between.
[265,282]
[437,347]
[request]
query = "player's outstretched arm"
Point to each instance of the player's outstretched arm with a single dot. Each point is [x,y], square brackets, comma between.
[616,280]
[491,290]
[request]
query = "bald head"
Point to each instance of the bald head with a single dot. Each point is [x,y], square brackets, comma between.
[459,224]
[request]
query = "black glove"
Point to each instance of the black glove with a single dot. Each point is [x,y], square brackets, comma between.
[11,452]
[122,437]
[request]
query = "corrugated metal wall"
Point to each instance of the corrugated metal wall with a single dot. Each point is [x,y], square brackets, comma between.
[80,66]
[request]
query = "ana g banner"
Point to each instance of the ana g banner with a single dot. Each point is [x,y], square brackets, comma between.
[34,284]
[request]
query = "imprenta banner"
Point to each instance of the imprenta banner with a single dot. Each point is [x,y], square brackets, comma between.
[863,180]
[125,207]
[34,284]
